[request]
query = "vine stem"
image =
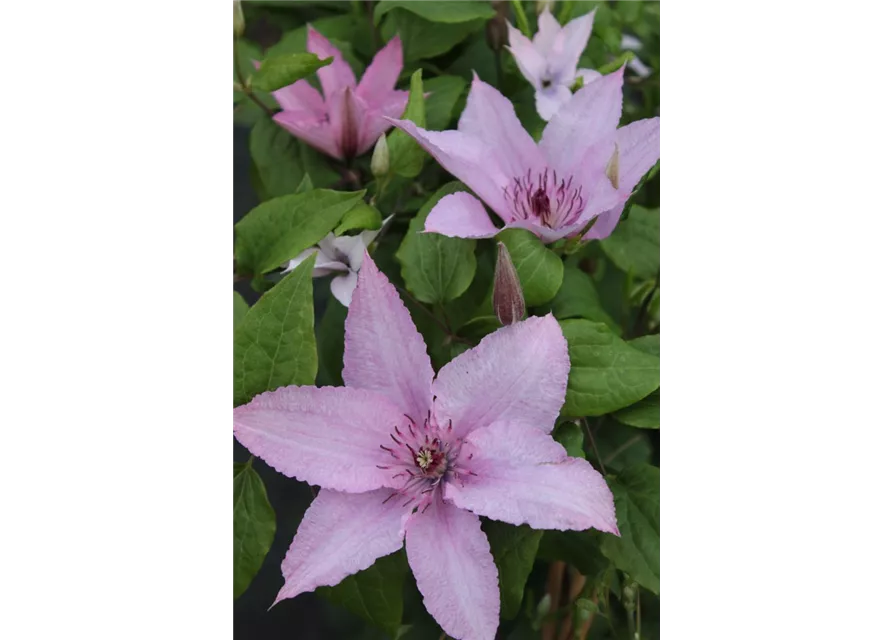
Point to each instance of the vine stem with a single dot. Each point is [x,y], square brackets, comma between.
[594,448]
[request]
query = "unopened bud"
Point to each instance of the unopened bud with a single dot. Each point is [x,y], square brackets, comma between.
[238,18]
[583,610]
[381,158]
[544,605]
[613,168]
[497,29]
[508,297]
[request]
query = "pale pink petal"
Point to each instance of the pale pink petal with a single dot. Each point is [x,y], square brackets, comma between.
[605,224]
[588,75]
[469,158]
[454,570]
[548,32]
[518,373]
[490,117]
[546,234]
[383,351]
[524,477]
[567,49]
[381,75]
[346,115]
[298,259]
[374,123]
[639,145]
[549,101]
[341,534]
[316,133]
[328,436]
[302,98]
[343,287]
[338,74]
[460,215]
[530,61]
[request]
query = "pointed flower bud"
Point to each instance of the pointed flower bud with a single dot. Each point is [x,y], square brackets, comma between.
[381,161]
[508,298]
[613,168]
[238,18]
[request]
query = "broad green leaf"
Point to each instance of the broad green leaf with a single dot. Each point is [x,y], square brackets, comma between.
[254,524]
[344,32]
[274,345]
[240,308]
[305,185]
[606,373]
[449,12]
[406,156]
[436,268]
[540,271]
[621,446]
[637,502]
[570,436]
[648,344]
[578,298]
[635,244]
[514,550]
[445,92]
[645,414]
[578,548]
[362,216]
[477,57]
[279,229]
[245,110]
[425,39]
[330,344]
[280,71]
[282,162]
[375,594]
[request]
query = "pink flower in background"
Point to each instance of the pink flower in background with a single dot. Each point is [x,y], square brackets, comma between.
[584,167]
[347,119]
[402,454]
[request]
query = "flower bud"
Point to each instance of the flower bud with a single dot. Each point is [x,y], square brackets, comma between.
[381,161]
[497,30]
[545,604]
[508,297]
[238,19]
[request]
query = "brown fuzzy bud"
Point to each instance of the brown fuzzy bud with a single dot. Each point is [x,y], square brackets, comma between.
[508,297]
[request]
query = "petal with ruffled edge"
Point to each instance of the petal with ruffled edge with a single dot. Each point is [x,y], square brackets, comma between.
[517,373]
[454,570]
[530,61]
[329,437]
[549,101]
[460,215]
[383,351]
[341,534]
[381,75]
[337,74]
[316,133]
[524,477]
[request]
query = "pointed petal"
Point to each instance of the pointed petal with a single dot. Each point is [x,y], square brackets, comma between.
[383,351]
[490,117]
[548,32]
[336,75]
[298,259]
[328,437]
[549,101]
[450,558]
[343,287]
[525,477]
[302,98]
[518,373]
[588,75]
[374,122]
[316,133]
[460,215]
[381,75]
[341,534]
[568,48]
[468,158]
[605,224]
[346,116]
[530,61]
[639,144]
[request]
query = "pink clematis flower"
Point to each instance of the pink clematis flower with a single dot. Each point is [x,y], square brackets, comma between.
[402,455]
[549,62]
[584,167]
[347,119]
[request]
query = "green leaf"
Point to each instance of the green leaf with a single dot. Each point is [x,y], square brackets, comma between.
[362,216]
[305,185]
[578,298]
[254,524]
[240,308]
[425,39]
[445,92]
[280,71]
[344,32]
[540,271]
[274,345]
[447,12]
[330,344]
[606,373]
[436,268]
[570,436]
[635,244]
[282,162]
[279,229]
[578,548]
[406,156]
[637,502]
[514,550]
[621,446]
[648,344]
[375,594]
[645,414]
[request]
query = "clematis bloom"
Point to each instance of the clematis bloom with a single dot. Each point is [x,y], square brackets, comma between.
[550,61]
[400,454]
[584,167]
[347,119]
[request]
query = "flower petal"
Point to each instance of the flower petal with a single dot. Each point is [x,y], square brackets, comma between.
[381,75]
[460,215]
[490,117]
[317,133]
[469,158]
[374,124]
[549,101]
[383,351]
[338,74]
[302,98]
[524,477]
[450,558]
[588,75]
[518,373]
[346,116]
[547,33]
[341,534]
[639,144]
[605,224]
[328,437]
[568,48]
[343,287]
[530,61]
[298,259]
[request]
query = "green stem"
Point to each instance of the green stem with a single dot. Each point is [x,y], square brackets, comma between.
[246,88]
[521,18]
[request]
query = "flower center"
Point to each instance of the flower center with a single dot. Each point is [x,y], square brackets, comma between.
[554,204]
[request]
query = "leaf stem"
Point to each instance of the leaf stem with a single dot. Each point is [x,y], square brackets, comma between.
[592,442]
[246,88]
